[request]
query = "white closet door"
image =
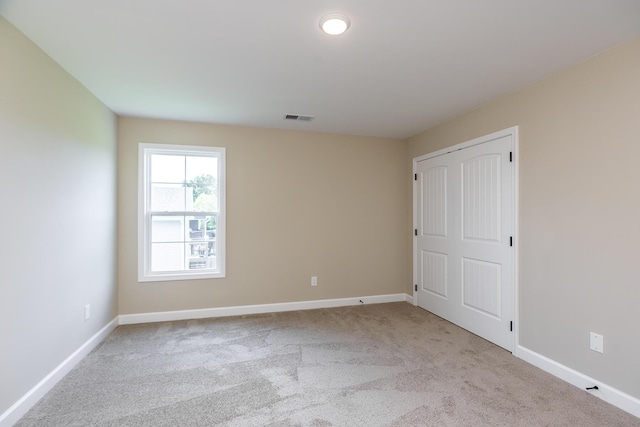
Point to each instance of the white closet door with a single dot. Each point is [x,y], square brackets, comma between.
[465,210]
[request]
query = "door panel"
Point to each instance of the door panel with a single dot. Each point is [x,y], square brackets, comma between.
[481,199]
[434,266]
[434,207]
[465,221]
[434,273]
[481,286]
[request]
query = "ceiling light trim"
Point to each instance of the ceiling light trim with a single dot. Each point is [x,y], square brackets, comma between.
[335,24]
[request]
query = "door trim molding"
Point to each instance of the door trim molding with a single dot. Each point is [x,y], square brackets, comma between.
[514,132]
[480,140]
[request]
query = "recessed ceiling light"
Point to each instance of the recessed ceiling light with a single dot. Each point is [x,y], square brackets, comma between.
[334,23]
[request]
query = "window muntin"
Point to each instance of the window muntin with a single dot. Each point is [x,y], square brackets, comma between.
[181,219]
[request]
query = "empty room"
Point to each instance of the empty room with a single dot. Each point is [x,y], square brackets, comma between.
[346,213]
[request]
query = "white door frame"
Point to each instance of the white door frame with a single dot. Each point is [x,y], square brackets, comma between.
[512,131]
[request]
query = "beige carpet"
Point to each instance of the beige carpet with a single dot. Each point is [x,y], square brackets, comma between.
[371,365]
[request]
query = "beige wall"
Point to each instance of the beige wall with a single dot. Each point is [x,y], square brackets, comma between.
[302,204]
[579,207]
[298,204]
[58,216]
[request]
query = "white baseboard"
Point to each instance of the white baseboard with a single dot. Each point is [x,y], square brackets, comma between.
[165,316]
[607,393]
[26,402]
[409,299]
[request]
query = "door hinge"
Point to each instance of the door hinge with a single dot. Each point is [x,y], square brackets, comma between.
[416,288]
[510,240]
[511,156]
[415,176]
[415,232]
[511,326]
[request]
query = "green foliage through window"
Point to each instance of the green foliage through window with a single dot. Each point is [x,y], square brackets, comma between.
[206,200]
[202,184]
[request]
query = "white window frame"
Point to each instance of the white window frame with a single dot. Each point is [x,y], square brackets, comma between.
[145,151]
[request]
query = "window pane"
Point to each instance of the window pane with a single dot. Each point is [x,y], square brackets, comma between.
[201,262]
[201,247]
[197,166]
[202,202]
[182,215]
[167,256]
[167,229]
[199,255]
[196,227]
[168,169]
[171,197]
[202,176]
[202,229]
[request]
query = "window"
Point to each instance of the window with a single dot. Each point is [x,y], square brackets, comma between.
[181,221]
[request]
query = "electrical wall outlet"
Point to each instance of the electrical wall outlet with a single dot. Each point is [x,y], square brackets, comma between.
[314,280]
[87,312]
[596,342]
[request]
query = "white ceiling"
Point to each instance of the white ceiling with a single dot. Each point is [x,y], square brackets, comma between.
[402,67]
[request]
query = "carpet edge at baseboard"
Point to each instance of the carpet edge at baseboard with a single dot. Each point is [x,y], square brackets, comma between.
[30,398]
[167,316]
[605,392]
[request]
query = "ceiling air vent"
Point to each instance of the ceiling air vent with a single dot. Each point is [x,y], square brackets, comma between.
[299,117]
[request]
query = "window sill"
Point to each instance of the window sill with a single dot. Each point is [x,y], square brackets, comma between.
[180,276]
